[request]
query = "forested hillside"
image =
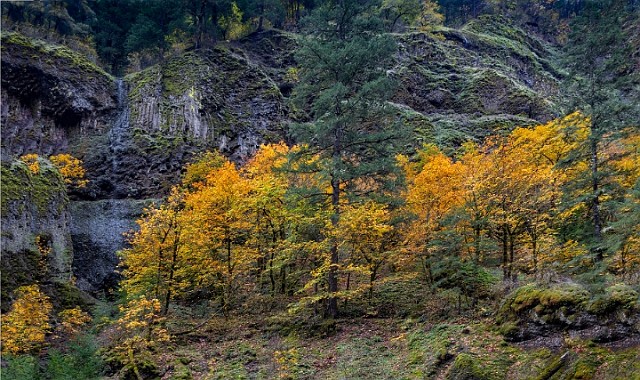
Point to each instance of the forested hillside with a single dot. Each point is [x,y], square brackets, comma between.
[321,189]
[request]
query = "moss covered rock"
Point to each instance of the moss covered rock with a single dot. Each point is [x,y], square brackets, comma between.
[545,300]
[535,310]
[488,69]
[206,100]
[36,243]
[616,297]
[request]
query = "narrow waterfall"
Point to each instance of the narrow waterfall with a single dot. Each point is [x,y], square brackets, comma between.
[120,130]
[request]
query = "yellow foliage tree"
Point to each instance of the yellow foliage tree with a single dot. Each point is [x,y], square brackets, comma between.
[430,16]
[366,235]
[623,234]
[69,167]
[139,331]
[217,229]
[435,189]
[272,219]
[73,320]
[157,258]
[71,170]
[25,326]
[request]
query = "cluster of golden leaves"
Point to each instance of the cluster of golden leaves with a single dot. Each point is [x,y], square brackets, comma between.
[70,168]
[511,185]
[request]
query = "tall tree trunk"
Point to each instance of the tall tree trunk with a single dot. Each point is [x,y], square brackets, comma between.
[332,304]
[595,206]
[261,18]
[271,275]
[200,23]
[476,243]
[372,278]
[172,270]
[534,252]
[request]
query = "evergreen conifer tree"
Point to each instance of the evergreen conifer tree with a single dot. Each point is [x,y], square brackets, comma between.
[344,84]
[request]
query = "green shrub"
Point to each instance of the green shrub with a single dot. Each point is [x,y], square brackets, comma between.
[22,367]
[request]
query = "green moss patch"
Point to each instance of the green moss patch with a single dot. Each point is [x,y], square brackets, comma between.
[20,186]
[45,51]
[616,297]
[545,301]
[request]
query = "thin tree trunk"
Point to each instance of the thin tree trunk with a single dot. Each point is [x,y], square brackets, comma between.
[505,259]
[271,275]
[372,278]
[534,251]
[595,182]
[172,270]
[332,304]
[348,286]
[476,255]
[512,243]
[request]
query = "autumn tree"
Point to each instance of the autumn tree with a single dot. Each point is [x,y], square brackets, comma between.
[543,149]
[32,160]
[157,258]
[138,332]
[430,16]
[217,227]
[271,216]
[366,232]
[623,235]
[72,321]
[435,189]
[344,85]
[26,325]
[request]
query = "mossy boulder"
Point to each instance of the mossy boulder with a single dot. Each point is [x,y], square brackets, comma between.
[616,297]
[536,309]
[545,300]
[465,367]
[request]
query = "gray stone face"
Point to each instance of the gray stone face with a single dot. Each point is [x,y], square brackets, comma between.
[98,231]
[36,244]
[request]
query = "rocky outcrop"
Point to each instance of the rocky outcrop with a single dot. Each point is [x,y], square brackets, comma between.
[134,136]
[539,310]
[36,243]
[453,84]
[53,99]
[207,100]
[98,231]
[474,81]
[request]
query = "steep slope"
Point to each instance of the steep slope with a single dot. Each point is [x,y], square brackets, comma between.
[52,97]
[452,84]
[470,82]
